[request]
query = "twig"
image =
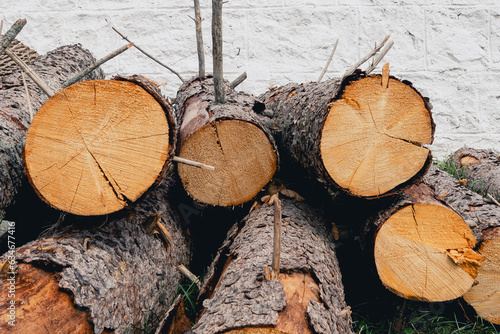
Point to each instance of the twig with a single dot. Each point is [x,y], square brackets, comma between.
[381,55]
[185,271]
[329,61]
[11,34]
[385,76]
[47,90]
[238,80]
[366,57]
[1,26]
[199,40]
[217,51]
[275,265]
[193,163]
[95,65]
[148,55]
[493,199]
[162,230]
[28,99]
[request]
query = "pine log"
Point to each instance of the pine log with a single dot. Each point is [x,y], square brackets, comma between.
[484,220]
[480,169]
[87,278]
[423,249]
[54,68]
[227,136]
[308,297]
[354,133]
[97,146]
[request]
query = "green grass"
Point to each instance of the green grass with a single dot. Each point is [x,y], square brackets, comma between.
[459,173]
[189,291]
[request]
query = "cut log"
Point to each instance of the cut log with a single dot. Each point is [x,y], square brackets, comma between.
[55,67]
[90,279]
[227,136]
[480,169]
[354,133]
[97,146]
[423,249]
[308,297]
[484,220]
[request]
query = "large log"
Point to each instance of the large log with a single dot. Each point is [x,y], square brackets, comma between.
[479,168]
[54,68]
[308,296]
[97,146]
[226,136]
[484,219]
[87,278]
[361,134]
[423,249]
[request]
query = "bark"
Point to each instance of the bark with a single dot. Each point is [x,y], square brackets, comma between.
[328,130]
[423,250]
[7,65]
[229,137]
[116,274]
[484,220]
[54,68]
[308,297]
[480,168]
[97,146]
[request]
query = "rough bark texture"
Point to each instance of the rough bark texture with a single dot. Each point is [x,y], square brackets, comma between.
[54,68]
[229,137]
[484,220]
[481,168]
[297,115]
[117,273]
[423,249]
[238,296]
[7,65]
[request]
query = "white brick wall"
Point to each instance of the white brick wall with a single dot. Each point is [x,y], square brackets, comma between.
[449,49]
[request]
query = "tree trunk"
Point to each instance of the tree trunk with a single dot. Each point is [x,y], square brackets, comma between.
[97,146]
[103,279]
[484,219]
[226,136]
[54,68]
[423,249]
[354,133]
[308,295]
[480,168]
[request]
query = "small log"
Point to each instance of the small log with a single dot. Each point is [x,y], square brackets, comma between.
[97,146]
[423,249]
[54,68]
[484,220]
[226,136]
[90,279]
[480,169]
[308,296]
[353,133]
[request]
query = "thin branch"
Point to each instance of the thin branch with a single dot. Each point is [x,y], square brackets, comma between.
[217,51]
[43,86]
[148,55]
[1,26]
[494,200]
[28,99]
[199,40]
[11,34]
[366,57]
[185,271]
[381,55]
[193,163]
[238,80]
[95,65]
[329,61]
[275,265]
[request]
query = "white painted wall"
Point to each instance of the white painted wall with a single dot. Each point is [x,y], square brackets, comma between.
[449,49]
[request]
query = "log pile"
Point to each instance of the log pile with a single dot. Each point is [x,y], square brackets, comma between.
[102,151]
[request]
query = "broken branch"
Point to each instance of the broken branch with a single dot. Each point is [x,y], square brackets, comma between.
[238,80]
[95,65]
[217,51]
[275,265]
[193,163]
[28,99]
[329,61]
[199,40]
[185,271]
[366,57]
[381,55]
[11,34]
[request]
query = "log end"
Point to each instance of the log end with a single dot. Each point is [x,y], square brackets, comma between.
[243,157]
[425,252]
[96,146]
[374,135]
